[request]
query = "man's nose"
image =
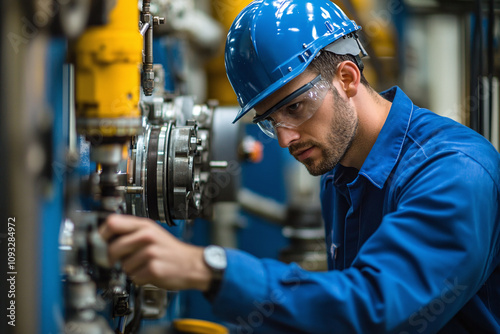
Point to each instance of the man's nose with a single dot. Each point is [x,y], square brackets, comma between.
[286,136]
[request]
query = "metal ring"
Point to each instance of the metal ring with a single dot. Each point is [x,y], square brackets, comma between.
[144,168]
[151,177]
[160,185]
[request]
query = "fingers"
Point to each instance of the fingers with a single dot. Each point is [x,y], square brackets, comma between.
[132,264]
[143,276]
[122,224]
[160,274]
[150,254]
[131,243]
[127,235]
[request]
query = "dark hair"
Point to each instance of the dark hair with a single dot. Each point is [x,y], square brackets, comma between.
[326,64]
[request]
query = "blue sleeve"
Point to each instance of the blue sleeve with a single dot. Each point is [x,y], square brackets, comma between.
[425,261]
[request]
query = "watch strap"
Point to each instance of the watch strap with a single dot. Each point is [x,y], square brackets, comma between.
[216,280]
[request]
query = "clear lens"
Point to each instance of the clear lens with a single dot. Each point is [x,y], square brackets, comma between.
[295,112]
[267,127]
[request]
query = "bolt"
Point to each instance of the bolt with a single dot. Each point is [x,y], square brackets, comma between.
[148,83]
[192,144]
[158,20]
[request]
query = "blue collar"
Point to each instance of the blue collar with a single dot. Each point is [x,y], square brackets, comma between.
[386,151]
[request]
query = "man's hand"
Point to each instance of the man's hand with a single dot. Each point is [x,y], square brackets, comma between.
[149,254]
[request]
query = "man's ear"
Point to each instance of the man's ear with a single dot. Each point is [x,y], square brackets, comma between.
[349,77]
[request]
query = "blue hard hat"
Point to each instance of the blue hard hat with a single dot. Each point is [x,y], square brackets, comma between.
[273,41]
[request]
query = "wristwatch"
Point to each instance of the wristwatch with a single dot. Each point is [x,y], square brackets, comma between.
[216,261]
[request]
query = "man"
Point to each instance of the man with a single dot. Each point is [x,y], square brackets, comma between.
[409,198]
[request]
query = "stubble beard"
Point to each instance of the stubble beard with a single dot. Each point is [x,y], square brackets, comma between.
[343,129]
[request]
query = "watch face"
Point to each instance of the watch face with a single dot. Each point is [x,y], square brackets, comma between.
[215,257]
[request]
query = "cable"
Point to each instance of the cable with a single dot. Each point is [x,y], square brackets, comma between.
[491,64]
[135,323]
[119,328]
[476,72]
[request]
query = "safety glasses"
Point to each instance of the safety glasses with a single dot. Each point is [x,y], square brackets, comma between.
[294,109]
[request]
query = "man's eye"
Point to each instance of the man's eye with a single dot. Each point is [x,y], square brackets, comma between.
[293,107]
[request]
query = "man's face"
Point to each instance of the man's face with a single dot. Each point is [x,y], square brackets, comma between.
[322,141]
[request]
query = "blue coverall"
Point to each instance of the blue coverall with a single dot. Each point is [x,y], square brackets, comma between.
[413,241]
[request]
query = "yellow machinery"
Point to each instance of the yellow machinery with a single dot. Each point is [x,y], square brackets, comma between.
[108,75]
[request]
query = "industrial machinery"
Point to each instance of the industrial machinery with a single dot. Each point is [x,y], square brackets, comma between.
[149,156]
